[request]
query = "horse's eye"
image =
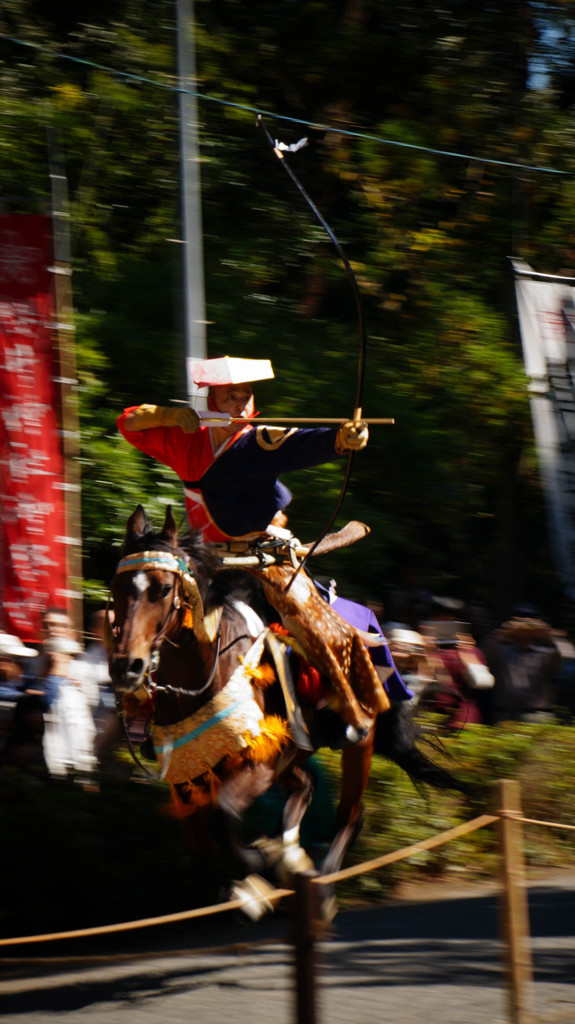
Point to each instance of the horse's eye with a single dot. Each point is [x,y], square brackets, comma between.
[158,591]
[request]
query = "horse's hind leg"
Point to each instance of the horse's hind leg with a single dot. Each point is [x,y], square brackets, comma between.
[356,764]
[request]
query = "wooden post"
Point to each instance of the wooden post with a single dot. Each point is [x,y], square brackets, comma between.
[304,918]
[514,905]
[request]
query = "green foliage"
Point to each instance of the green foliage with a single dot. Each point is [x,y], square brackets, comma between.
[106,503]
[454,485]
[541,758]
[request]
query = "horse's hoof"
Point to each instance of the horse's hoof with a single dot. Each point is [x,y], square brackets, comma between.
[253,891]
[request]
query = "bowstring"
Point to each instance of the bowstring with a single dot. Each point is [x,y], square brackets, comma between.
[362,337]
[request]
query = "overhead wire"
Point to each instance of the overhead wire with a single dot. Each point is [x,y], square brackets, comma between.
[260,111]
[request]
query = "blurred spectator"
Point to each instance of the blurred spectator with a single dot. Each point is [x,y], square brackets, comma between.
[566,674]
[524,658]
[99,690]
[92,666]
[460,668]
[481,619]
[53,722]
[12,654]
[42,677]
[69,729]
[410,655]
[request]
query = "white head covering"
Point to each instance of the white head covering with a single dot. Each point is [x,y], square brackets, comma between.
[12,647]
[207,373]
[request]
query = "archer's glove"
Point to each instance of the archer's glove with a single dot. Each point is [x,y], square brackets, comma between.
[147,416]
[351,436]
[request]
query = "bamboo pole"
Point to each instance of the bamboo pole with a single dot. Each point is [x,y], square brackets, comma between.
[514,905]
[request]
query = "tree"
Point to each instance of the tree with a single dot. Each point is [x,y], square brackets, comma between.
[428,235]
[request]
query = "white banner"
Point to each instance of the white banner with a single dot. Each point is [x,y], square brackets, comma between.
[546,307]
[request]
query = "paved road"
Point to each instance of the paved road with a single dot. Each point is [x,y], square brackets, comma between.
[430,960]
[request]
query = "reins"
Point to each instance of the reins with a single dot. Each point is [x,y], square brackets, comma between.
[122,716]
[146,561]
[179,691]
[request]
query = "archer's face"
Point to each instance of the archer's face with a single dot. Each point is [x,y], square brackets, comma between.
[235,399]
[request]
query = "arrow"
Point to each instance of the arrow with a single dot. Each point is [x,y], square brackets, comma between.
[289,419]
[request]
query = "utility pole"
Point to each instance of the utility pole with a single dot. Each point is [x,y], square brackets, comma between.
[65,346]
[194,301]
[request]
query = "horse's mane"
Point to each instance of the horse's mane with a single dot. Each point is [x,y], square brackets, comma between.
[200,552]
[223,587]
[227,585]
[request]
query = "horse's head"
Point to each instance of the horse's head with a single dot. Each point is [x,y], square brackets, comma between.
[154,589]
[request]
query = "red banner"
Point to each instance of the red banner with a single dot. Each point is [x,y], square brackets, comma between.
[32,524]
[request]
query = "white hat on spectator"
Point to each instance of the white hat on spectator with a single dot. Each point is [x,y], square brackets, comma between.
[398,633]
[12,647]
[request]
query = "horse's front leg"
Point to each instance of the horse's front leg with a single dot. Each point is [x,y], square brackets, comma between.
[242,863]
[284,852]
[236,794]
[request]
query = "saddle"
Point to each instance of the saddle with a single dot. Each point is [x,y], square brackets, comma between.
[328,642]
[278,546]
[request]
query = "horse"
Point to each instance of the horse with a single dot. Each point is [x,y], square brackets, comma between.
[202,646]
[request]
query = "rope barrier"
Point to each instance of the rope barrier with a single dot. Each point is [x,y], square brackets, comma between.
[278,894]
[409,851]
[274,896]
[128,76]
[147,922]
[549,824]
[515,816]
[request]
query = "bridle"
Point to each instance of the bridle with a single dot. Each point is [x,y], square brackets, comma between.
[147,561]
[190,608]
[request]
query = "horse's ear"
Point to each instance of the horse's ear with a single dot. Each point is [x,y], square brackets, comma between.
[170,529]
[138,524]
